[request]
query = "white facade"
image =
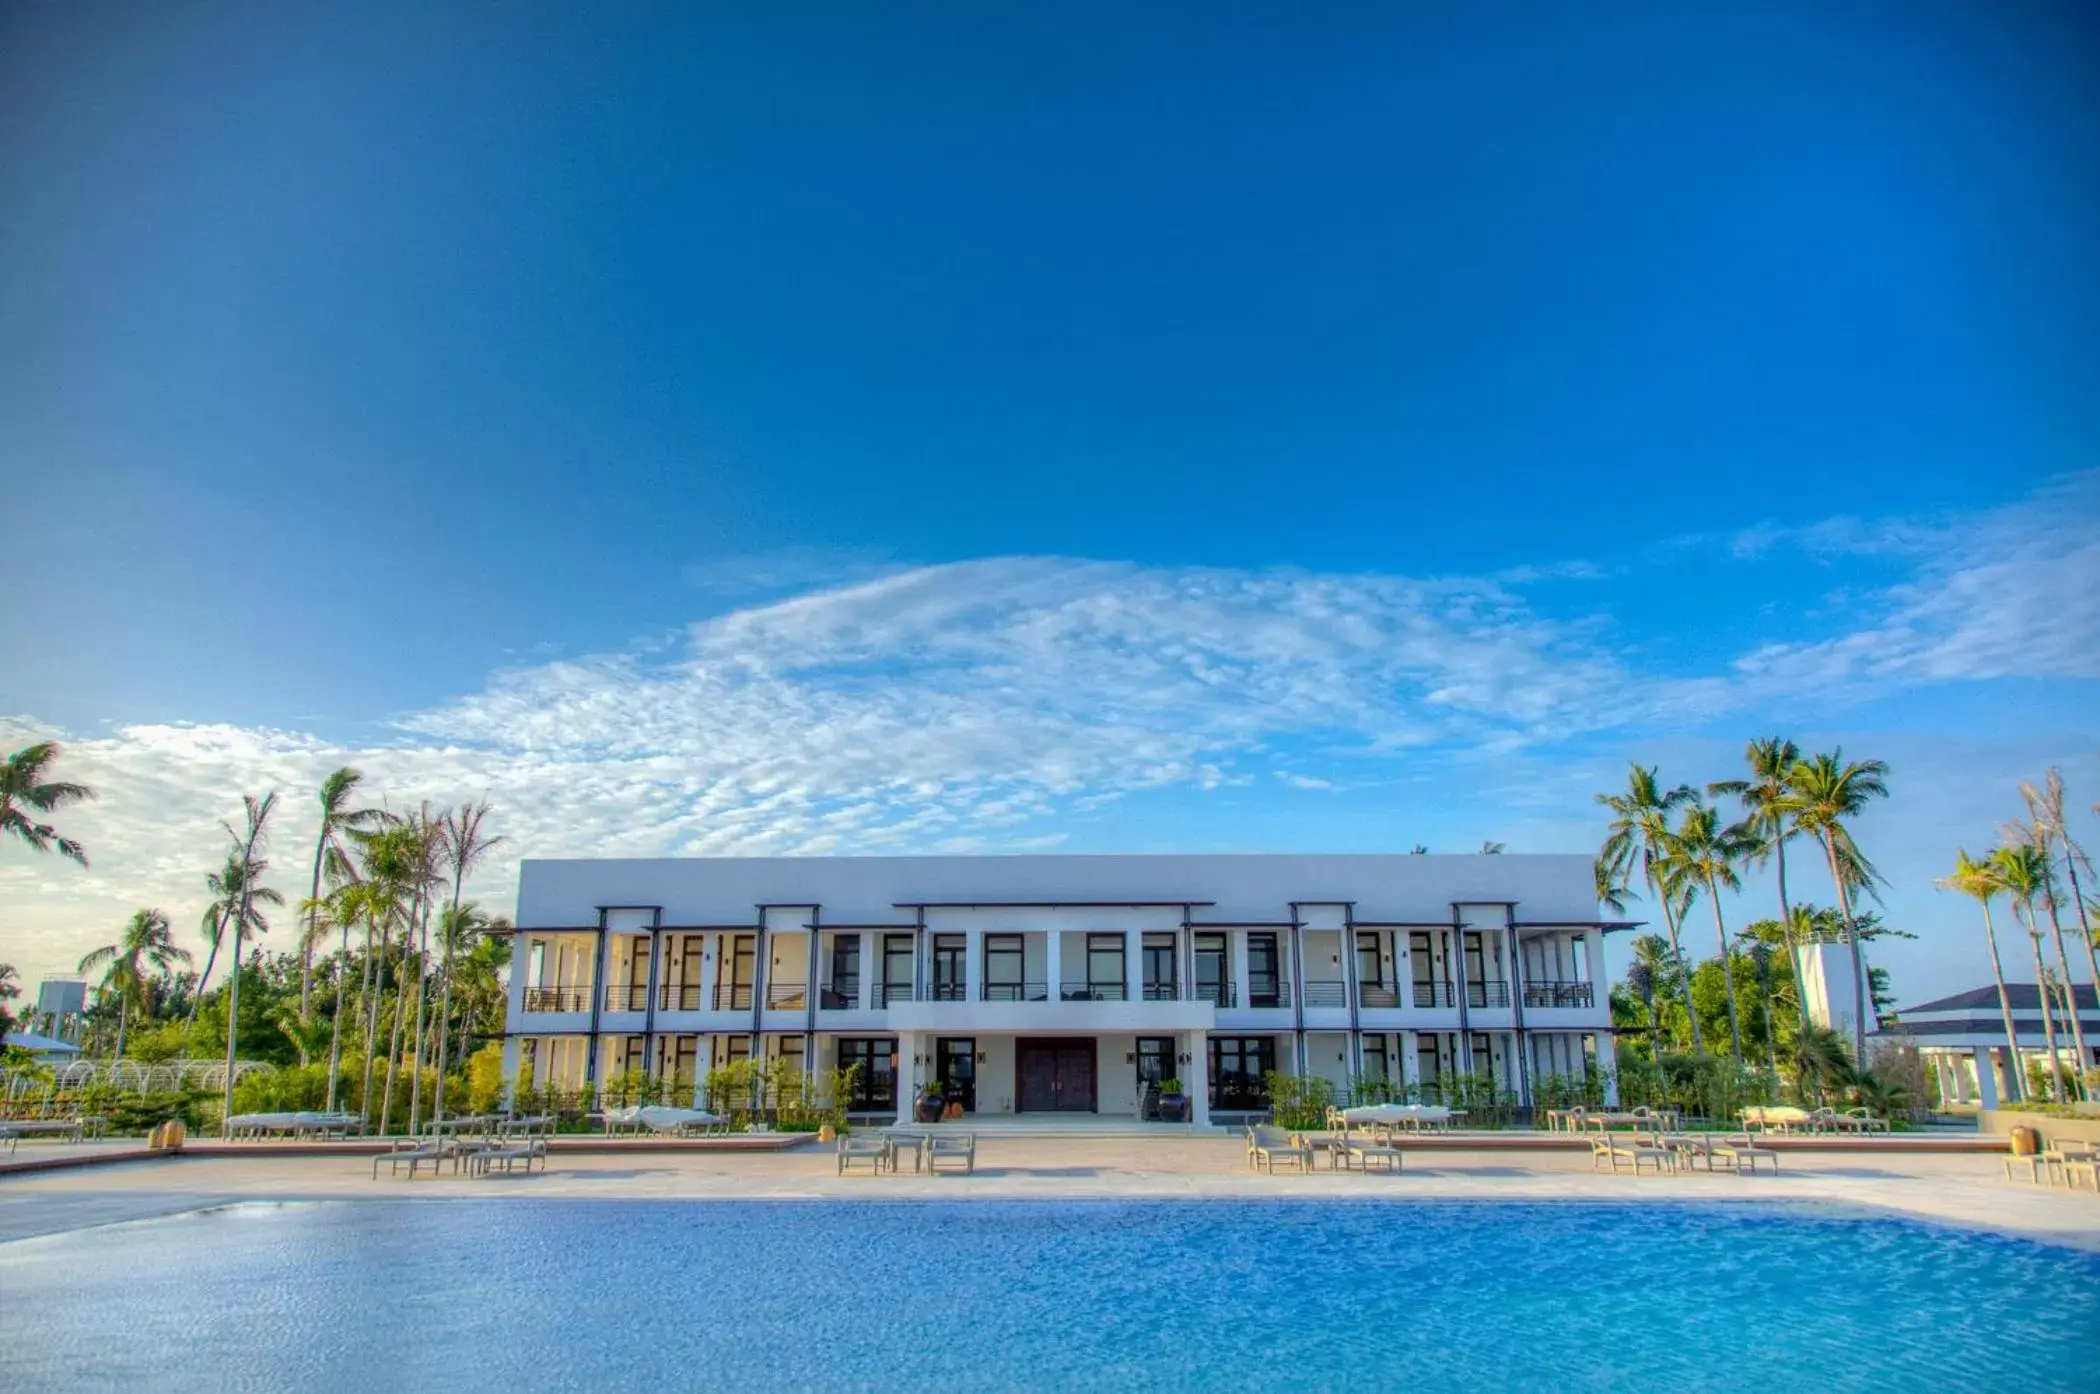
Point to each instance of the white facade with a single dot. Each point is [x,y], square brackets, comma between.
[1062,983]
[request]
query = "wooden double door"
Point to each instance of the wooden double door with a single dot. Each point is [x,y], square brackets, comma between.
[1054,1075]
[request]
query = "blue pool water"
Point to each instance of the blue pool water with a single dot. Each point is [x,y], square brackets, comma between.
[554,1294]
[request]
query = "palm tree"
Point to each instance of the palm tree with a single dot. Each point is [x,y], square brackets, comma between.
[225,886]
[1983,881]
[461,930]
[331,859]
[2022,870]
[2044,825]
[25,790]
[1702,854]
[464,844]
[145,943]
[1821,1062]
[249,845]
[1612,892]
[1764,797]
[1650,972]
[427,854]
[1640,833]
[1822,793]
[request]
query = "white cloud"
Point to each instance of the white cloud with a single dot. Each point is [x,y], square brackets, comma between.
[988,704]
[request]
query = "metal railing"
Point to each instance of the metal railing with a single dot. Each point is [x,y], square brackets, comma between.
[787,996]
[1217,994]
[1016,992]
[680,997]
[1430,993]
[557,999]
[732,997]
[841,996]
[1161,992]
[628,997]
[1487,994]
[1377,995]
[1092,992]
[1326,995]
[1552,993]
[886,993]
[949,992]
[1264,993]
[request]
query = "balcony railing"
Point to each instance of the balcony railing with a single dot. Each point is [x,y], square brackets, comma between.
[886,993]
[1487,994]
[1160,992]
[1265,992]
[787,996]
[1326,995]
[1377,995]
[732,997]
[948,992]
[557,999]
[1218,994]
[679,997]
[1017,992]
[1430,993]
[627,997]
[1560,994]
[1093,992]
[841,996]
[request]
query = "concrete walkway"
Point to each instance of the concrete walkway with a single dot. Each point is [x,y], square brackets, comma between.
[1969,1191]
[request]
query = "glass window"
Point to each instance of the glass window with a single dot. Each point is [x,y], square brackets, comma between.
[1004,960]
[845,971]
[1210,970]
[1264,974]
[1104,966]
[1374,1058]
[1370,964]
[950,956]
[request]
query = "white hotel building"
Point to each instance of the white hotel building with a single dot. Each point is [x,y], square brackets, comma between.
[1060,983]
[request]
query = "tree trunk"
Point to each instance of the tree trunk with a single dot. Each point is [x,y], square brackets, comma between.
[437,1107]
[335,1035]
[1670,923]
[306,944]
[197,993]
[375,979]
[123,1020]
[1859,960]
[1735,1030]
[415,1073]
[233,1014]
[393,1049]
[1786,929]
[2012,1036]
[2063,958]
[2041,987]
[2085,927]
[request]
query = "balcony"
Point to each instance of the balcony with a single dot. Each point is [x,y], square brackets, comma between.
[1490,994]
[1326,995]
[1551,993]
[1428,993]
[1377,995]
[557,999]
[1161,992]
[789,997]
[627,997]
[886,993]
[948,992]
[1094,992]
[1218,994]
[1268,992]
[679,997]
[1016,992]
[732,997]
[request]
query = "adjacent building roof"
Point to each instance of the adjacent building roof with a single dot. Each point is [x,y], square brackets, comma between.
[2025,997]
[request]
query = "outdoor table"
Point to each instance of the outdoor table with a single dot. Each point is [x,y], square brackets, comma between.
[898,1142]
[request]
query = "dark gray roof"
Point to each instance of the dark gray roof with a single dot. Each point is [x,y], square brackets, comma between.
[2030,1029]
[2025,998]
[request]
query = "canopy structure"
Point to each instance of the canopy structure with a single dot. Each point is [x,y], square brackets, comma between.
[134,1076]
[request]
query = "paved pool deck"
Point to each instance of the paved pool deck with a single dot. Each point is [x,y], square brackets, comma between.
[1967,1191]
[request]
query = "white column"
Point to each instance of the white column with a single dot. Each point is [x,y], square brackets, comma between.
[1236,945]
[870,966]
[1054,963]
[907,1074]
[511,1051]
[1986,1077]
[1410,1058]
[1134,965]
[1195,1080]
[1608,1067]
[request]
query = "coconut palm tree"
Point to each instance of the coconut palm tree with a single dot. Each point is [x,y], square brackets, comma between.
[1982,880]
[2022,870]
[2046,828]
[1823,794]
[1612,892]
[1822,1063]
[1763,797]
[250,842]
[2033,833]
[230,887]
[465,843]
[26,790]
[1650,972]
[144,944]
[1639,833]
[332,860]
[1701,854]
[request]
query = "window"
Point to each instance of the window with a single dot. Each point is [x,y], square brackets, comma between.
[1155,1060]
[1104,969]
[1428,1058]
[1004,960]
[1264,975]
[896,969]
[677,1060]
[793,1052]
[950,957]
[844,992]
[1370,963]
[955,1066]
[874,1062]
[1239,1071]
[1374,1058]
[1211,980]
[1421,957]
[1159,968]
[1483,1054]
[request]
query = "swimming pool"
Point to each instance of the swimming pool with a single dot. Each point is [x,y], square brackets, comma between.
[576,1294]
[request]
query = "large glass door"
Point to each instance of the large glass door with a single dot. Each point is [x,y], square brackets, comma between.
[950,957]
[1211,979]
[874,1082]
[1239,1071]
[1264,972]
[955,1066]
[896,969]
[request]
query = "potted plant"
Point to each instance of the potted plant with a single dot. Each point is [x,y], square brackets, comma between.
[933,1097]
[1173,1104]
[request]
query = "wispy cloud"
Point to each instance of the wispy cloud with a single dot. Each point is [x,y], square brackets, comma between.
[993,703]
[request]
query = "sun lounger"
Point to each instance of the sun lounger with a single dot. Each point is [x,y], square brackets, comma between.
[1743,1154]
[863,1149]
[1369,1154]
[414,1155]
[482,1160]
[64,1129]
[1268,1144]
[951,1148]
[1618,1153]
[1859,1120]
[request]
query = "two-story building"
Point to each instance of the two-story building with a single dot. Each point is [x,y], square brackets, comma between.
[1031,984]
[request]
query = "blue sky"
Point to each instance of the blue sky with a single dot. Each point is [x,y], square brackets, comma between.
[846,430]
